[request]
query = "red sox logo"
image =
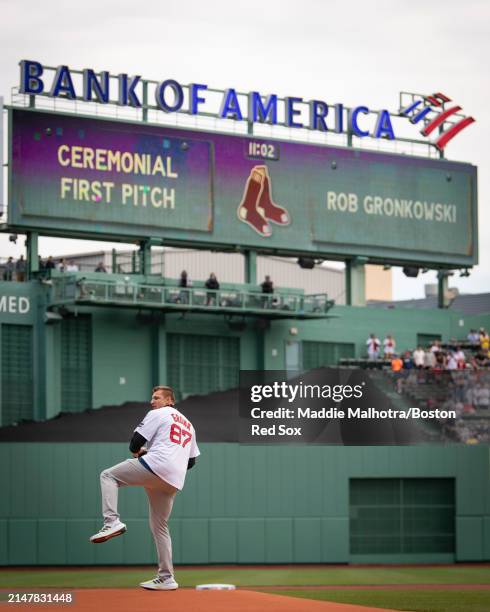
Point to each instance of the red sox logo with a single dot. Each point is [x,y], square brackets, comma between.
[257,207]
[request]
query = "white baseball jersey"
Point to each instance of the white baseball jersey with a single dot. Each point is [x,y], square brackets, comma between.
[171,442]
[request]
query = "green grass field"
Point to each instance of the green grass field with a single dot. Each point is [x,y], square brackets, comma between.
[437,600]
[419,601]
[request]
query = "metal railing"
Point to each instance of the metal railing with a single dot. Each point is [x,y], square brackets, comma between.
[67,290]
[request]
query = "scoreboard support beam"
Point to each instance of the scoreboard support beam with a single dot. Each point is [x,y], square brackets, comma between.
[251,267]
[32,254]
[442,289]
[145,257]
[355,282]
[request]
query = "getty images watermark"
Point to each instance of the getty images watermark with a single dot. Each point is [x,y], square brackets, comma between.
[331,406]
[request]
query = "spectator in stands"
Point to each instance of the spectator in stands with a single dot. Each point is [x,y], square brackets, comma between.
[72,266]
[20,269]
[8,272]
[407,361]
[435,346]
[100,267]
[440,360]
[41,263]
[480,360]
[460,357]
[396,363]
[451,363]
[184,283]
[389,346]
[429,359]
[482,397]
[484,341]
[473,337]
[419,357]
[50,265]
[61,265]
[373,345]
[267,288]
[211,283]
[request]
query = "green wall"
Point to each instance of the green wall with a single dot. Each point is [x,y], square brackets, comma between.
[241,504]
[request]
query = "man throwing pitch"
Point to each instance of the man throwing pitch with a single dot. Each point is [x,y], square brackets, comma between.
[167,441]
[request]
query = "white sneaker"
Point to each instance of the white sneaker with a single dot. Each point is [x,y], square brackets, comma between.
[160,584]
[107,532]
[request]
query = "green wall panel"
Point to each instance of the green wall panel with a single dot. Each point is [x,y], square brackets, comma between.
[335,540]
[51,542]
[307,544]
[279,540]
[22,542]
[469,538]
[195,541]
[4,556]
[6,476]
[137,542]
[79,550]
[486,537]
[251,540]
[223,535]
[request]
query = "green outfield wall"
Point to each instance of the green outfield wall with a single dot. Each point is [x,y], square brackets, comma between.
[248,504]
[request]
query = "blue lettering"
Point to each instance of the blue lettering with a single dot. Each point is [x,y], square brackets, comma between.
[195,88]
[291,112]
[384,126]
[339,118]
[230,106]
[63,83]
[178,96]
[92,85]
[127,95]
[318,112]
[265,112]
[356,130]
[30,83]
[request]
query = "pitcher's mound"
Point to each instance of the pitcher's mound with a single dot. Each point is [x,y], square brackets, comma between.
[129,600]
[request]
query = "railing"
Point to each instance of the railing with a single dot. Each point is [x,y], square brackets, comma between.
[127,292]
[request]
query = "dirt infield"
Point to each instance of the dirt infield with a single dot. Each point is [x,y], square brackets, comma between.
[128,600]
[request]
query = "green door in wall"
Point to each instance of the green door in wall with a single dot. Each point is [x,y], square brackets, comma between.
[202,364]
[76,363]
[17,374]
[321,354]
[425,340]
[402,516]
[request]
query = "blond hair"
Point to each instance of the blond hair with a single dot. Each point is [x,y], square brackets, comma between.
[167,391]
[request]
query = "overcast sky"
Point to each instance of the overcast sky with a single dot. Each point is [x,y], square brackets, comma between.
[356,52]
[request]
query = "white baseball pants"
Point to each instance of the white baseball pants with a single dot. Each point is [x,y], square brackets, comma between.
[160,497]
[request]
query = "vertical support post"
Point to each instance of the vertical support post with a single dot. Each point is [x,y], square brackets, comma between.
[250,128]
[355,282]
[114,261]
[145,101]
[32,254]
[133,262]
[40,357]
[251,267]
[145,257]
[442,288]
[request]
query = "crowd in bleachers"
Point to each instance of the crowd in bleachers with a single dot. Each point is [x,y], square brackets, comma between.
[453,376]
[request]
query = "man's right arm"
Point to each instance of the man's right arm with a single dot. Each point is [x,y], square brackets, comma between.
[137,441]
